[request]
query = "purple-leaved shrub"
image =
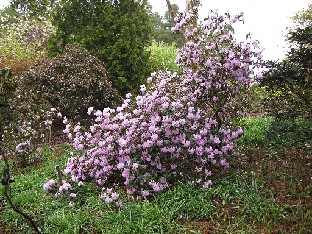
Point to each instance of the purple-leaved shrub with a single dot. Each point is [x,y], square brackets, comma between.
[178,129]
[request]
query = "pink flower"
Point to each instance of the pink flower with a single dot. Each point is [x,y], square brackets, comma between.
[208,173]
[126,173]
[118,203]
[142,88]
[98,113]
[208,63]
[207,184]
[154,137]
[65,120]
[109,190]
[120,165]
[49,185]
[92,128]
[108,200]
[135,166]
[145,193]
[115,196]
[67,129]
[77,128]
[122,142]
[90,109]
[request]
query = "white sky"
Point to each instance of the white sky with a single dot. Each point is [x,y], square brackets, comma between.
[266,20]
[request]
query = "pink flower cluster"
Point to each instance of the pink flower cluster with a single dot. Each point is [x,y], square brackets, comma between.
[111,197]
[48,186]
[179,129]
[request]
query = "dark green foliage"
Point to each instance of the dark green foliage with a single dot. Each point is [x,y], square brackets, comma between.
[117,32]
[71,82]
[266,131]
[289,101]
[289,86]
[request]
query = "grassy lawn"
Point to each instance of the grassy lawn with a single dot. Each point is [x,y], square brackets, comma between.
[266,190]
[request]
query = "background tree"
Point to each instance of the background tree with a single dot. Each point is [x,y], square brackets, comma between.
[162,27]
[117,32]
[34,7]
[289,82]
[304,16]
[7,16]
[289,87]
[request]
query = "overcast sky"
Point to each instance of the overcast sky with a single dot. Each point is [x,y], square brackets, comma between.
[266,20]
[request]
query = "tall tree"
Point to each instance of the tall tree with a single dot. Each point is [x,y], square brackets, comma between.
[117,32]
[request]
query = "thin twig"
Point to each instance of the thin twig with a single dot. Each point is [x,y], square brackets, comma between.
[6,181]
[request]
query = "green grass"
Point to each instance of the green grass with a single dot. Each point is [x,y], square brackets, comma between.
[255,130]
[259,194]
[267,132]
[163,57]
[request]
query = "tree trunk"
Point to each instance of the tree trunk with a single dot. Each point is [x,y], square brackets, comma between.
[171,13]
[188,5]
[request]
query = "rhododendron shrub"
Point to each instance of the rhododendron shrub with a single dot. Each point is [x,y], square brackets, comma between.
[219,67]
[180,128]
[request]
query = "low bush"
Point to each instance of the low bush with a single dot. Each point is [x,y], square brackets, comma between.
[68,83]
[22,42]
[71,82]
[290,133]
